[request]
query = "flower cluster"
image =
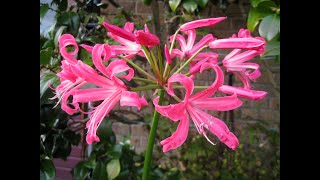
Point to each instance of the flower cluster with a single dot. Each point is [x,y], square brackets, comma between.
[113,66]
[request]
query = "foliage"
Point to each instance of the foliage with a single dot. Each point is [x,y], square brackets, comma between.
[200,160]
[56,136]
[265,14]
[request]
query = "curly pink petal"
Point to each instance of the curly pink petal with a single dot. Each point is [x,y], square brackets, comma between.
[238,43]
[178,137]
[87,47]
[132,99]
[191,38]
[226,103]
[119,31]
[68,40]
[119,66]
[201,23]
[99,51]
[204,41]
[167,54]
[242,92]
[172,111]
[219,79]
[185,81]
[128,26]
[99,113]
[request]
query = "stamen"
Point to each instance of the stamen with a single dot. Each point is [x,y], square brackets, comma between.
[204,133]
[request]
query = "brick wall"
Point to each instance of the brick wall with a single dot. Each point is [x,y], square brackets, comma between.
[267,109]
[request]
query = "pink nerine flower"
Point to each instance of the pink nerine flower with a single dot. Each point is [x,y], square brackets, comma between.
[108,87]
[236,62]
[193,106]
[201,23]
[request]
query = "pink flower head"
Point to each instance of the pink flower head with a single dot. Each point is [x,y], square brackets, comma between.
[201,23]
[108,87]
[188,48]
[193,106]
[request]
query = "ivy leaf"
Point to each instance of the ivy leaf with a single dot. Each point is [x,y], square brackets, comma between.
[45,55]
[43,10]
[47,170]
[80,171]
[174,4]
[58,34]
[273,49]
[113,168]
[202,3]
[270,26]
[255,3]
[190,6]
[257,13]
[99,171]
[49,78]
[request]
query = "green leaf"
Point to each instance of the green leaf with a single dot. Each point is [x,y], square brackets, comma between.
[273,48]
[80,172]
[91,162]
[190,6]
[45,55]
[99,171]
[255,3]
[202,3]
[48,43]
[270,26]
[47,170]
[256,14]
[49,78]
[58,34]
[74,22]
[72,137]
[113,168]
[43,10]
[116,151]
[174,4]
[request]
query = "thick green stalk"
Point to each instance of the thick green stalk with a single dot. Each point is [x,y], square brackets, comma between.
[152,135]
[190,59]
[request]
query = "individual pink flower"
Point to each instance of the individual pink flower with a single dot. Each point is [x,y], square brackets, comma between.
[201,23]
[108,87]
[193,106]
[188,48]
[236,62]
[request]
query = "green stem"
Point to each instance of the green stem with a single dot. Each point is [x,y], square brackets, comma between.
[144,80]
[173,40]
[137,68]
[148,156]
[190,59]
[142,88]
